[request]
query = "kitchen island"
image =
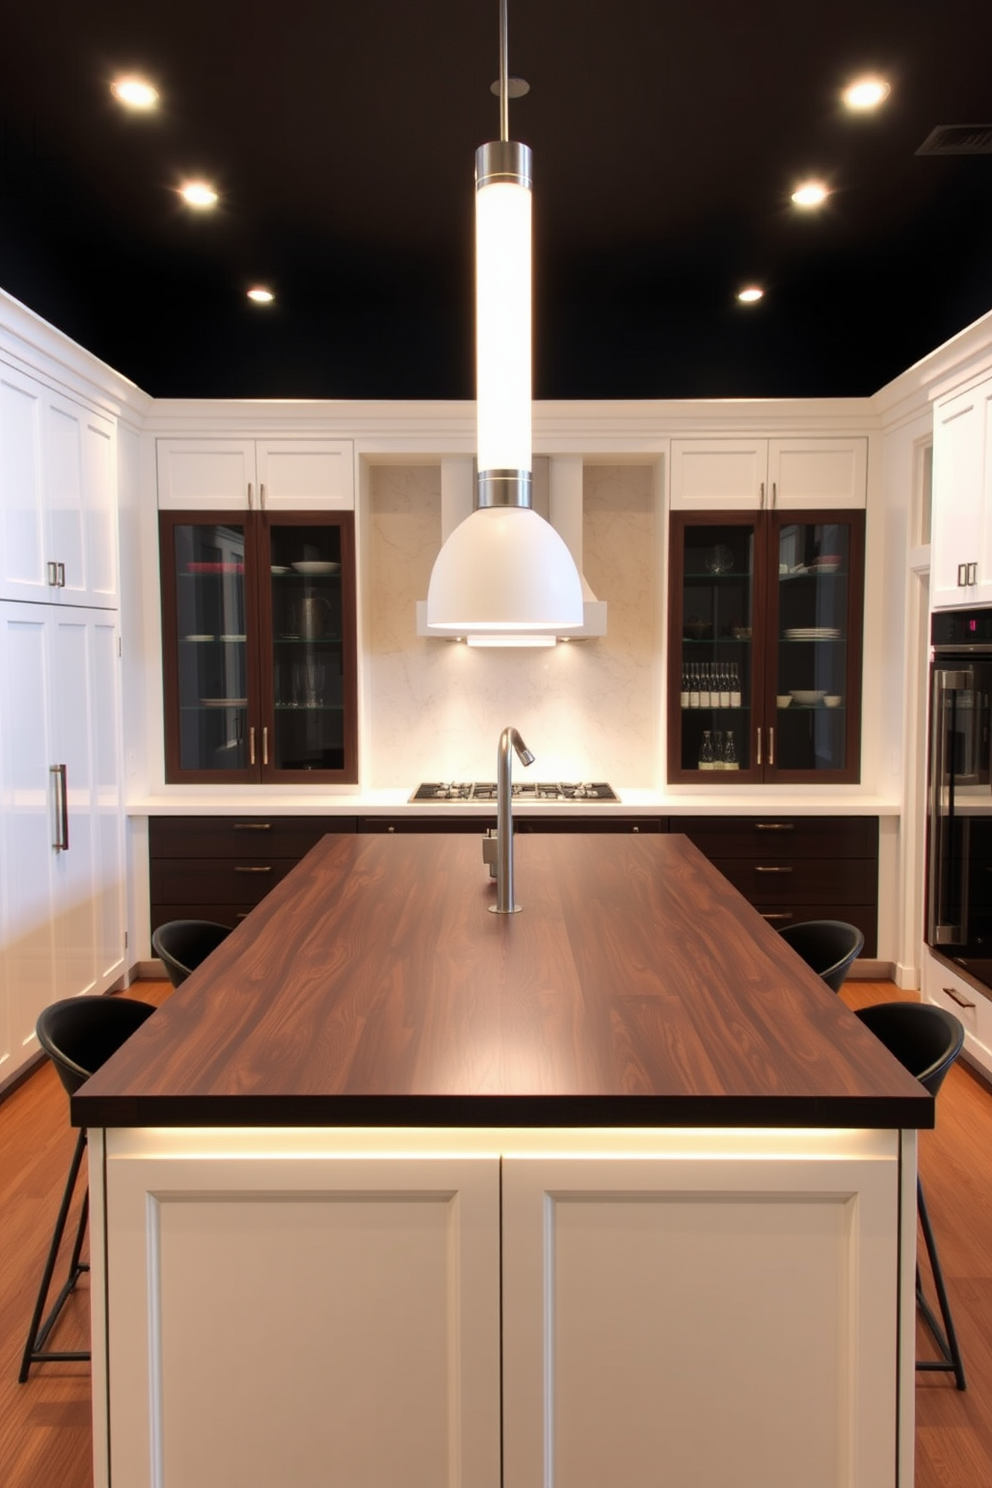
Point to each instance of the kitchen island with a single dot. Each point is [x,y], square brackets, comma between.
[396,1191]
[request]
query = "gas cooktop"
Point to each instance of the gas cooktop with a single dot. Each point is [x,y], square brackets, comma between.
[454,792]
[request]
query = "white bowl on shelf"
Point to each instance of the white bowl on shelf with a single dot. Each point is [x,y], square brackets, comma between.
[311,567]
[806,698]
[832,700]
[784,699]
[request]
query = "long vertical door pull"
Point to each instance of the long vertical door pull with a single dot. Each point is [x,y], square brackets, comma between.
[58,772]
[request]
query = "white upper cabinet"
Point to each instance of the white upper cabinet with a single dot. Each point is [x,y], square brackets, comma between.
[58,497]
[256,475]
[961,525]
[769,474]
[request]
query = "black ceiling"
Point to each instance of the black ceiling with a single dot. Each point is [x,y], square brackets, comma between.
[667,139]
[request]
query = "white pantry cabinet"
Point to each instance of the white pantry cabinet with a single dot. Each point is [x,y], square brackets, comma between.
[255,474]
[58,497]
[62,881]
[749,474]
[961,523]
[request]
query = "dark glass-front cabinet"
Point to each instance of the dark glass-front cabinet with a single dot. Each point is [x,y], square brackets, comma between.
[258,624]
[764,656]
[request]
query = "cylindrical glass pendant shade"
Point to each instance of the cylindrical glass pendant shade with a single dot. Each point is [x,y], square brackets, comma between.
[503,306]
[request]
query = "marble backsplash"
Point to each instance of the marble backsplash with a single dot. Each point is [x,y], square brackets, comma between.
[587,709]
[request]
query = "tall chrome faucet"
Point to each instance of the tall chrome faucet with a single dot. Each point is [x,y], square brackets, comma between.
[504,819]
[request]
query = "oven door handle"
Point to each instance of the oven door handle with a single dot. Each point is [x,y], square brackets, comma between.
[945,680]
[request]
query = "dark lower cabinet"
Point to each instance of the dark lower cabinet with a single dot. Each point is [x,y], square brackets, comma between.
[219,867]
[797,868]
[789,868]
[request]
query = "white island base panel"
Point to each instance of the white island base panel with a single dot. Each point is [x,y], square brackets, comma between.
[503,1309]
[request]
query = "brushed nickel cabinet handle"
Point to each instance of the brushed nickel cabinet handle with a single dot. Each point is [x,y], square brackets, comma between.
[249,496]
[770,916]
[771,746]
[962,575]
[240,868]
[774,494]
[61,569]
[265,745]
[53,575]
[261,496]
[761,496]
[972,573]
[774,826]
[772,870]
[957,997]
[251,826]
[757,758]
[635,829]
[61,843]
[251,746]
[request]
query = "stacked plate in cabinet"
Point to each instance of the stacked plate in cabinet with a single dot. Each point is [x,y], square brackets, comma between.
[812,633]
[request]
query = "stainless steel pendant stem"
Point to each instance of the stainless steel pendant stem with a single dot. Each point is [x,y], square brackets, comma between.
[504,95]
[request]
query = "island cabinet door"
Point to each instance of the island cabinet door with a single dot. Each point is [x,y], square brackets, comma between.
[685,1322]
[300,1319]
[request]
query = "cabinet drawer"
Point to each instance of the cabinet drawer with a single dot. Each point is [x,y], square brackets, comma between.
[820,881]
[220,914]
[524,824]
[864,916]
[240,836]
[216,880]
[784,836]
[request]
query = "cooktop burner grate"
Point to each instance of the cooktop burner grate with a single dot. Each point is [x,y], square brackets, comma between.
[453,792]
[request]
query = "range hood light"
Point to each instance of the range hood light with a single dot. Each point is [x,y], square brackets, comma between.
[520,639]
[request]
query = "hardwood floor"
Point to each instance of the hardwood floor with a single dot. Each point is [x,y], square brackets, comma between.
[45,1424]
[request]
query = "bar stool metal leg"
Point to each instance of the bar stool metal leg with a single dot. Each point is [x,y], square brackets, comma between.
[945,1337]
[34,1349]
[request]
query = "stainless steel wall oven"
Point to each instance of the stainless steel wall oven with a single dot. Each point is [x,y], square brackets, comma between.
[959,791]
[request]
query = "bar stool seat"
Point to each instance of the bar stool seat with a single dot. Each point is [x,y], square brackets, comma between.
[926,1040]
[827,946]
[182,944]
[78,1034]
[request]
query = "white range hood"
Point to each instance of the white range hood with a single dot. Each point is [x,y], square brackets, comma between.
[557,496]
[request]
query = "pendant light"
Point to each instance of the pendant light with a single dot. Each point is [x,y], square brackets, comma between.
[504,569]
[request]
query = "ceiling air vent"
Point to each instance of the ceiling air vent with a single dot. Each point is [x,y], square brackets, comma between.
[958,139]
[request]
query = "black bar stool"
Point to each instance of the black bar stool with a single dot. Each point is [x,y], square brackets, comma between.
[927,1040]
[182,944]
[827,946]
[78,1035]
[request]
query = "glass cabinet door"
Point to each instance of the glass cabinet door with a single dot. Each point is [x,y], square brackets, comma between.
[816,621]
[208,647]
[309,667]
[714,652]
[259,647]
[764,653]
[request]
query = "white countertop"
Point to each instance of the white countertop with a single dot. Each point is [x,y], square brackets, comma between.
[226,800]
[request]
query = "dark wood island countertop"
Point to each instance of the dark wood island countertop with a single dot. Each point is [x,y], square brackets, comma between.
[371,988]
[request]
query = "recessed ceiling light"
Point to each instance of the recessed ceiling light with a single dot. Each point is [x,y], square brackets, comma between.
[810,194]
[261,295]
[865,93]
[750,295]
[134,92]
[198,194]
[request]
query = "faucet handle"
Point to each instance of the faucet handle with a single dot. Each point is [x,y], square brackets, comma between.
[489,850]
